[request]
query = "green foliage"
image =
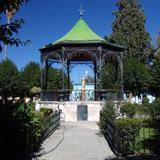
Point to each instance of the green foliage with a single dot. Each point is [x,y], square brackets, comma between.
[128,131]
[154,109]
[109,76]
[107,112]
[17,122]
[158,39]
[11,84]
[55,79]
[128,109]
[150,110]
[145,101]
[136,76]
[46,111]
[30,76]
[35,90]
[7,4]
[144,108]
[7,30]
[29,121]
[129,29]
[155,77]
[9,79]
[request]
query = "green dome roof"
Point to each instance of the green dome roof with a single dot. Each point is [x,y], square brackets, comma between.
[79,33]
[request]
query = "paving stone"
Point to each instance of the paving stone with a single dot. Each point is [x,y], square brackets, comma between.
[76,141]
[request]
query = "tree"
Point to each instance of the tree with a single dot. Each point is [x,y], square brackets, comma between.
[55,79]
[129,29]
[128,109]
[155,76]
[30,76]
[158,39]
[8,4]
[136,76]
[9,80]
[154,110]
[7,30]
[109,76]
[108,113]
[9,15]
[155,71]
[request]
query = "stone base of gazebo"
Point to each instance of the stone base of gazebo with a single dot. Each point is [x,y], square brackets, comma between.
[76,111]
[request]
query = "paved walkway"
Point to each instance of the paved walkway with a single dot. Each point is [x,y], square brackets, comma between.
[76,141]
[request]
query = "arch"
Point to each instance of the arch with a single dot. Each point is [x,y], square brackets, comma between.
[81,55]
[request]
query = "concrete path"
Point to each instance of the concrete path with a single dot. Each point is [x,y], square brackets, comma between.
[76,141]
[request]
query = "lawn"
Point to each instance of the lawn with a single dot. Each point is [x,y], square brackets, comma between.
[145,137]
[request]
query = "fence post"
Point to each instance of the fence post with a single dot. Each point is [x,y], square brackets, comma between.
[27,140]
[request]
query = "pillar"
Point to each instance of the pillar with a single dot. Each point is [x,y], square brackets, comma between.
[100,67]
[63,65]
[44,72]
[121,75]
[68,77]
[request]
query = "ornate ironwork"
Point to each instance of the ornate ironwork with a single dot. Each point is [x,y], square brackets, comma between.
[68,55]
[76,95]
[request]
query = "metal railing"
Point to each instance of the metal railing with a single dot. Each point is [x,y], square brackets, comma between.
[76,95]
[112,137]
[50,124]
[144,140]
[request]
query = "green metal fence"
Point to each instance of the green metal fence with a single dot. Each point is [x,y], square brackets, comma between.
[50,124]
[144,141]
[112,137]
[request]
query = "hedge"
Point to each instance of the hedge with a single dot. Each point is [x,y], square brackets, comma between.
[128,133]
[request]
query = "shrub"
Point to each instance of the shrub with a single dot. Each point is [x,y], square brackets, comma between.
[107,112]
[46,111]
[29,123]
[154,109]
[17,122]
[125,132]
[128,109]
[128,131]
[144,108]
[145,101]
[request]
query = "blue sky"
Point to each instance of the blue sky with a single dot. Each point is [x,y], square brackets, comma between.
[46,21]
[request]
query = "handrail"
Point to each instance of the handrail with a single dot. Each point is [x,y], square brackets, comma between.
[75,95]
[112,136]
[50,123]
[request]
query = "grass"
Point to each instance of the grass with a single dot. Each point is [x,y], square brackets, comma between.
[145,135]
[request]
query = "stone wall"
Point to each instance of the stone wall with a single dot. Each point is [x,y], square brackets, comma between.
[69,109]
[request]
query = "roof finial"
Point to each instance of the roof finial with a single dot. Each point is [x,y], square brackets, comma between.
[81,11]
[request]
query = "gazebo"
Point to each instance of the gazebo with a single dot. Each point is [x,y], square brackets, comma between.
[80,45]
